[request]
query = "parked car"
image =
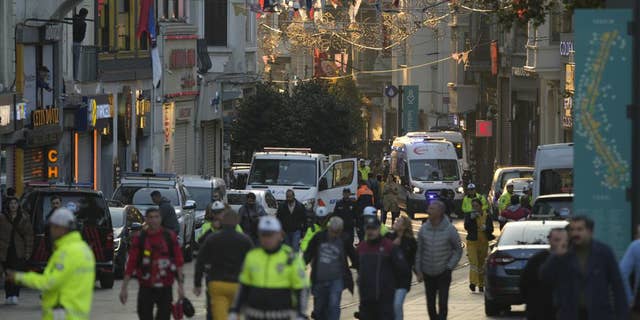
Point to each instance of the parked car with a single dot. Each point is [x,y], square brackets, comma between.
[553,206]
[238,175]
[136,188]
[93,222]
[519,241]
[519,184]
[126,221]
[204,190]
[237,198]
[500,178]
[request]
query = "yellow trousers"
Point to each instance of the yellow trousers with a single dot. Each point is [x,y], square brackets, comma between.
[221,295]
[477,253]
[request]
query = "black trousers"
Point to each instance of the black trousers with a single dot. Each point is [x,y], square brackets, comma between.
[150,297]
[14,263]
[437,286]
[376,309]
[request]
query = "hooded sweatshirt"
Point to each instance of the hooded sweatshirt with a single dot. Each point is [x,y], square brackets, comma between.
[439,248]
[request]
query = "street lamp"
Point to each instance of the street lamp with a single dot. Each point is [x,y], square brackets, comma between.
[364,114]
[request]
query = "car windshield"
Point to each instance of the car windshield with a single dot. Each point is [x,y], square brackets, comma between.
[561,207]
[138,195]
[117,217]
[90,209]
[508,175]
[281,172]
[202,196]
[518,234]
[434,170]
[237,198]
[556,181]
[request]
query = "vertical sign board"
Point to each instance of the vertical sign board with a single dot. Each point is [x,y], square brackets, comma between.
[410,104]
[601,129]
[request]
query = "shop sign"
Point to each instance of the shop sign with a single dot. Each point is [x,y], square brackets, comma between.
[521,72]
[21,113]
[567,119]
[167,110]
[566,47]
[5,115]
[570,70]
[43,117]
[52,166]
[484,128]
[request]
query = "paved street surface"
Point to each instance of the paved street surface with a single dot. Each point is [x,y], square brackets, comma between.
[462,303]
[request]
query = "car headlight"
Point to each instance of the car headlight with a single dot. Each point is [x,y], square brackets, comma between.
[460,190]
[178,212]
[116,244]
[308,204]
[417,190]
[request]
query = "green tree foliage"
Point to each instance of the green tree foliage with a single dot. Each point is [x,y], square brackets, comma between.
[324,117]
[536,11]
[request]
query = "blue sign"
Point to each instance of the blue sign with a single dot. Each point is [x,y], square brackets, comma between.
[602,132]
[410,95]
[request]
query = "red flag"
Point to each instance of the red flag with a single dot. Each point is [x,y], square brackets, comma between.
[143,21]
[494,57]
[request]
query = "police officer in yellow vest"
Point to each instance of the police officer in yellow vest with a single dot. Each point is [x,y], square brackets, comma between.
[322,217]
[273,281]
[68,279]
[472,194]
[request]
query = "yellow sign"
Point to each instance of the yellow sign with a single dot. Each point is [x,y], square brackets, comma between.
[43,117]
[52,167]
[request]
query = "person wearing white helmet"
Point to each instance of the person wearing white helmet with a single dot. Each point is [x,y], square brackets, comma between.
[69,277]
[213,221]
[273,281]
[372,211]
[472,194]
[321,218]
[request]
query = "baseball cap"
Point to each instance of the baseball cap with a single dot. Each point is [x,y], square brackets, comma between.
[321,212]
[471,186]
[346,190]
[369,211]
[62,217]
[269,224]
[371,222]
[217,206]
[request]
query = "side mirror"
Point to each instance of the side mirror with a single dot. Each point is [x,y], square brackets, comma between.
[115,203]
[323,185]
[189,205]
[135,226]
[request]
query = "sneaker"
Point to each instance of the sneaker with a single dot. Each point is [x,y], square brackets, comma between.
[13,300]
[472,287]
[481,289]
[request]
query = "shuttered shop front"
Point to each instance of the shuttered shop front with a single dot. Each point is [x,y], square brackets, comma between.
[180,147]
[210,146]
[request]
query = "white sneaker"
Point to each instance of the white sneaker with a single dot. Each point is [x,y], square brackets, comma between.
[15,300]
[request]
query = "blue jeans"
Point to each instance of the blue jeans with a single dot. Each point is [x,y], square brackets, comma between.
[398,303]
[292,239]
[326,299]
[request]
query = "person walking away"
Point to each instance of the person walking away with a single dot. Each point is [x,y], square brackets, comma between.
[586,277]
[382,269]
[537,293]
[273,281]
[346,209]
[167,212]
[220,261]
[378,194]
[472,194]
[630,270]
[386,168]
[402,236]
[375,188]
[250,214]
[514,212]
[293,217]
[327,253]
[479,227]
[439,251]
[16,244]
[69,277]
[79,31]
[364,170]
[505,199]
[156,259]
[390,201]
[319,225]
[364,198]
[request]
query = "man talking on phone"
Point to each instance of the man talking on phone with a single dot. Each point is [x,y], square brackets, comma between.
[585,276]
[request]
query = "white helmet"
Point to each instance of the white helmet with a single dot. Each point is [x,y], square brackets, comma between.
[321,212]
[370,211]
[63,217]
[217,206]
[269,224]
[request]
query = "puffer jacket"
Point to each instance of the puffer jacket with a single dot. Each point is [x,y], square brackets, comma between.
[23,236]
[169,216]
[439,248]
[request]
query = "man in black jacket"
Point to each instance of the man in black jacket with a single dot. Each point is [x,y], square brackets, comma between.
[330,274]
[168,213]
[346,209]
[537,293]
[220,260]
[292,216]
[382,267]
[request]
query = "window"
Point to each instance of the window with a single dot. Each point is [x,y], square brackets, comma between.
[513,235]
[90,209]
[434,170]
[556,181]
[561,207]
[117,24]
[283,172]
[338,175]
[508,175]
[215,24]
[555,26]
[142,196]
[202,196]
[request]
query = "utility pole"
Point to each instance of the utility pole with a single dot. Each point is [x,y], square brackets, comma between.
[633,112]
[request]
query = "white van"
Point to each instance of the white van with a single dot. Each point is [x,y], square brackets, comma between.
[280,169]
[553,172]
[426,167]
[454,137]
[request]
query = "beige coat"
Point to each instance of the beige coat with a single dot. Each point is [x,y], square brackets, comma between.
[23,236]
[390,196]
